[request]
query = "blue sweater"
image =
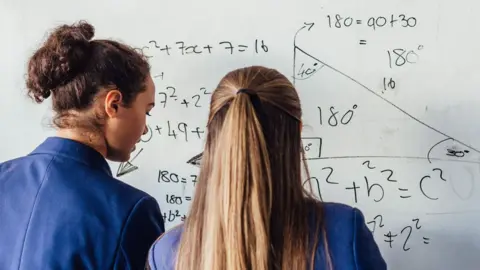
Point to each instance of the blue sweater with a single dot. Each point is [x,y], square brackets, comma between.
[351,244]
[60,208]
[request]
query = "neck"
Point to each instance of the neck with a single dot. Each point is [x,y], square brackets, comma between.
[93,140]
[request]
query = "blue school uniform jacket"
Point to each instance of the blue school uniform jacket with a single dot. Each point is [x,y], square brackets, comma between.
[61,208]
[350,243]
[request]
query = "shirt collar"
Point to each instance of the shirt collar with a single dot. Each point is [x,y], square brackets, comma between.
[74,150]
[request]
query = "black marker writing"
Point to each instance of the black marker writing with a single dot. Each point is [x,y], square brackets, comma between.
[389,238]
[333,119]
[390,174]
[426,177]
[407,232]
[409,229]
[379,188]
[184,48]
[354,187]
[379,219]
[169,177]
[338,21]
[330,169]
[399,57]
[173,216]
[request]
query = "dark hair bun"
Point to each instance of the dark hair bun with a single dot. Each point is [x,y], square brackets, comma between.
[64,55]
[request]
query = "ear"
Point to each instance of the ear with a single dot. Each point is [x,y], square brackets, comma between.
[113,101]
[301,126]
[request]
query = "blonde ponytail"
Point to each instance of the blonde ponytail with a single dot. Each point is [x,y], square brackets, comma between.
[238,198]
[242,180]
[239,218]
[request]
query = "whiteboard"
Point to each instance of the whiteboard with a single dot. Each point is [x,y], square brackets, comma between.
[389,91]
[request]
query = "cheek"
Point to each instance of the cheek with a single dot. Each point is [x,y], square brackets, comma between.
[139,123]
[133,126]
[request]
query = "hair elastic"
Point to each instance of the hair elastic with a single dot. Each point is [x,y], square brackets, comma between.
[257,105]
[246,91]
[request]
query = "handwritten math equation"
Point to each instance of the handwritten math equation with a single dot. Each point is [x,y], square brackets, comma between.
[200,98]
[176,130]
[375,182]
[174,199]
[339,21]
[376,190]
[403,237]
[257,46]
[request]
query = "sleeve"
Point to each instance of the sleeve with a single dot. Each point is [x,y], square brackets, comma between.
[162,255]
[144,225]
[151,262]
[366,252]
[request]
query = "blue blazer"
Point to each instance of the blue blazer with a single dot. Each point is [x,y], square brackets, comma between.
[351,244]
[61,208]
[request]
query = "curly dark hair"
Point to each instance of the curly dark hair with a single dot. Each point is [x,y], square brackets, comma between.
[73,68]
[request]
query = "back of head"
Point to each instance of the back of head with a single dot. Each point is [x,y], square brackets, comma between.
[73,68]
[102,89]
[249,209]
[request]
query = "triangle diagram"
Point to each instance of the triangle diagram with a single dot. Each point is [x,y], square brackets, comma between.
[357,125]
[355,121]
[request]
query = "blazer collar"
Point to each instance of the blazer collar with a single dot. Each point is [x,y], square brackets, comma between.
[74,150]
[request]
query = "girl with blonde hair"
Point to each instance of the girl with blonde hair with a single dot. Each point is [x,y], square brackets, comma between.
[250,210]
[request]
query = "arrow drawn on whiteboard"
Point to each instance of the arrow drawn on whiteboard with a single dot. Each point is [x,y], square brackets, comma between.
[196,160]
[128,167]
[306,69]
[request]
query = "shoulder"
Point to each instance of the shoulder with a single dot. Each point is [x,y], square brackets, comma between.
[142,212]
[163,251]
[90,192]
[339,221]
[342,221]
[350,241]
[136,196]
[338,213]
[338,208]
[35,164]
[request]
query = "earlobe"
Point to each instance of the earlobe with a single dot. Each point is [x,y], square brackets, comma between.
[113,100]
